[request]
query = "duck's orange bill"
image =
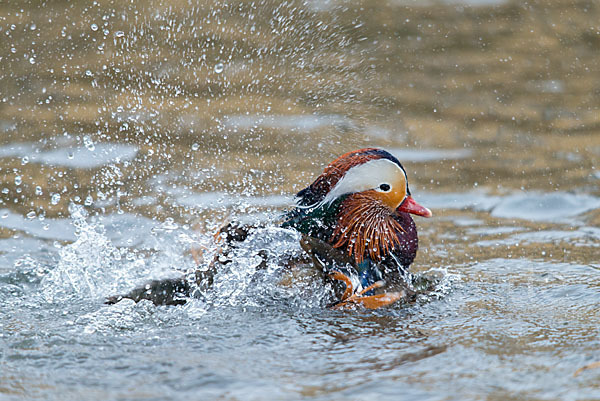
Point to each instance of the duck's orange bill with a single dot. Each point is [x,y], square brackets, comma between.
[411,206]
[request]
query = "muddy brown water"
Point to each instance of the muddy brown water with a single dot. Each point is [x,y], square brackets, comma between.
[130,131]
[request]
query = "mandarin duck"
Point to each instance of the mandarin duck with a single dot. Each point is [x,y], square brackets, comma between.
[356,228]
[361,205]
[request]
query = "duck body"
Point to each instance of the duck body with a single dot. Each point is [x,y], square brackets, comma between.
[361,204]
[356,224]
[321,224]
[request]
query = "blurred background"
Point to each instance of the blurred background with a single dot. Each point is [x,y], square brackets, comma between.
[176,114]
[256,97]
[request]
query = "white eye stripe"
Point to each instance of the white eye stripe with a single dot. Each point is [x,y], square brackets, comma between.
[363,177]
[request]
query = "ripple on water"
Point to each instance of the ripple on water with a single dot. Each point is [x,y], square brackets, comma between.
[300,122]
[215,200]
[493,230]
[124,229]
[583,236]
[16,257]
[55,229]
[476,200]
[552,207]
[425,155]
[80,157]
[527,297]
[556,207]
[510,317]
[471,3]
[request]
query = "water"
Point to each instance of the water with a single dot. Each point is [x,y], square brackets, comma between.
[138,129]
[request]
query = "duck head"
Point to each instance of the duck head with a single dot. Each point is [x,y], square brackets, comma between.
[361,203]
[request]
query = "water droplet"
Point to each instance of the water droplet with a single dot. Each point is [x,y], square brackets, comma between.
[89,144]
[4,215]
[18,180]
[88,200]
[5,190]
[169,224]
[31,215]
[70,154]
[31,60]
[94,27]
[88,73]
[32,27]
[24,160]
[55,199]
[46,227]
[219,68]
[38,190]
[119,34]
[195,146]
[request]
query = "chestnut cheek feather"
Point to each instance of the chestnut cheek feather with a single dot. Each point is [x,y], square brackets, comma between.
[366,226]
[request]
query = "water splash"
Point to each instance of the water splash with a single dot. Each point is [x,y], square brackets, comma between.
[86,267]
[258,273]
[435,283]
[94,267]
[126,315]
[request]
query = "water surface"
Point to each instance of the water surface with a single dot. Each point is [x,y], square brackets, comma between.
[130,132]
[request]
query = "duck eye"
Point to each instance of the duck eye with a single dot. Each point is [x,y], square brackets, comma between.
[384,187]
